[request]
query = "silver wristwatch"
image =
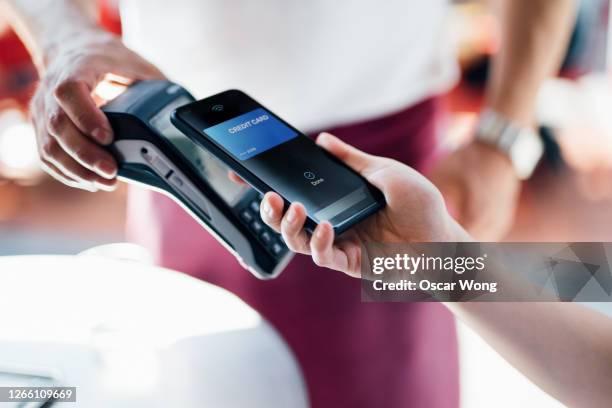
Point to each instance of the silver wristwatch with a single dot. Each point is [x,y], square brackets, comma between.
[523,146]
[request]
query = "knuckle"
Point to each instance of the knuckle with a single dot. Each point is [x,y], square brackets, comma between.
[65,88]
[56,122]
[84,121]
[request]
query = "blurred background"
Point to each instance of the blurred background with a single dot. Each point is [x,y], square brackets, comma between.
[568,199]
[38,214]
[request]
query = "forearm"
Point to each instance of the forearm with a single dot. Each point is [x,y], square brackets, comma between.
[566,349]
[534,37]
[44,25]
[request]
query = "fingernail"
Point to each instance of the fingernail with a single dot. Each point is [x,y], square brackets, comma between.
[106,168]
[291,215]
[320,231]
[104,187]
[102,135]
[266,208]
[326,135]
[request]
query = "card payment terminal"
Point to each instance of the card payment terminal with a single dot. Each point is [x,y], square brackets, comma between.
[150,151]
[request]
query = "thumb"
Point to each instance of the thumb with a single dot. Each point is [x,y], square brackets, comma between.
[359,161]
[389,176]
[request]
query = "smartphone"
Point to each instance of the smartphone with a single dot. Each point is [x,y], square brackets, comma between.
[272,155]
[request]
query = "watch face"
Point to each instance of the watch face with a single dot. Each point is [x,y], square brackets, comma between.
[525,153]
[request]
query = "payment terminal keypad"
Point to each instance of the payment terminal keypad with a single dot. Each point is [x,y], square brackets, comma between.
[248,211]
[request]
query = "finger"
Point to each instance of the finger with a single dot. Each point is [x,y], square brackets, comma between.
[292,229]
[56,174]
[236,178]
[146,71]
[54,154]
[74,97]
[271,210]
[79,147]
[375,169]
[359,161]
[139,70]
[452,209]
[321,245]
[342,255]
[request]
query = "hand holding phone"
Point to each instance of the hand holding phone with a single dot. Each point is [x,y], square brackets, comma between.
[415,212]
[271,155]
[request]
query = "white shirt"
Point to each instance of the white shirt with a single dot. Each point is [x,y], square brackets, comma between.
[316,63]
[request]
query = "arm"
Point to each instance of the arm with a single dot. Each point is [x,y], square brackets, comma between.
[42,25]
[478,181]
[565,349]
[72,55]
[534,38]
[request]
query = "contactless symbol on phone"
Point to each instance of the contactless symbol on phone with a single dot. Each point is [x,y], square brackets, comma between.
[216,108]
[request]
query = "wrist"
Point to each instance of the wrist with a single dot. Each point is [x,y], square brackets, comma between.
[492,153]
[516,107]
[492,159]
[521,145]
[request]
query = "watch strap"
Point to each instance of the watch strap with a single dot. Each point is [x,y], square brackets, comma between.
[523,146]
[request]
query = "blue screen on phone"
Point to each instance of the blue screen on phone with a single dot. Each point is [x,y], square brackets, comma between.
[250,134]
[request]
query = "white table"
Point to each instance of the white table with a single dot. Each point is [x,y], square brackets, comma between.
[131,335]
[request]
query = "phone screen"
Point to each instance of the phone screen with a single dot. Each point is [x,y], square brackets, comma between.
[286,161]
